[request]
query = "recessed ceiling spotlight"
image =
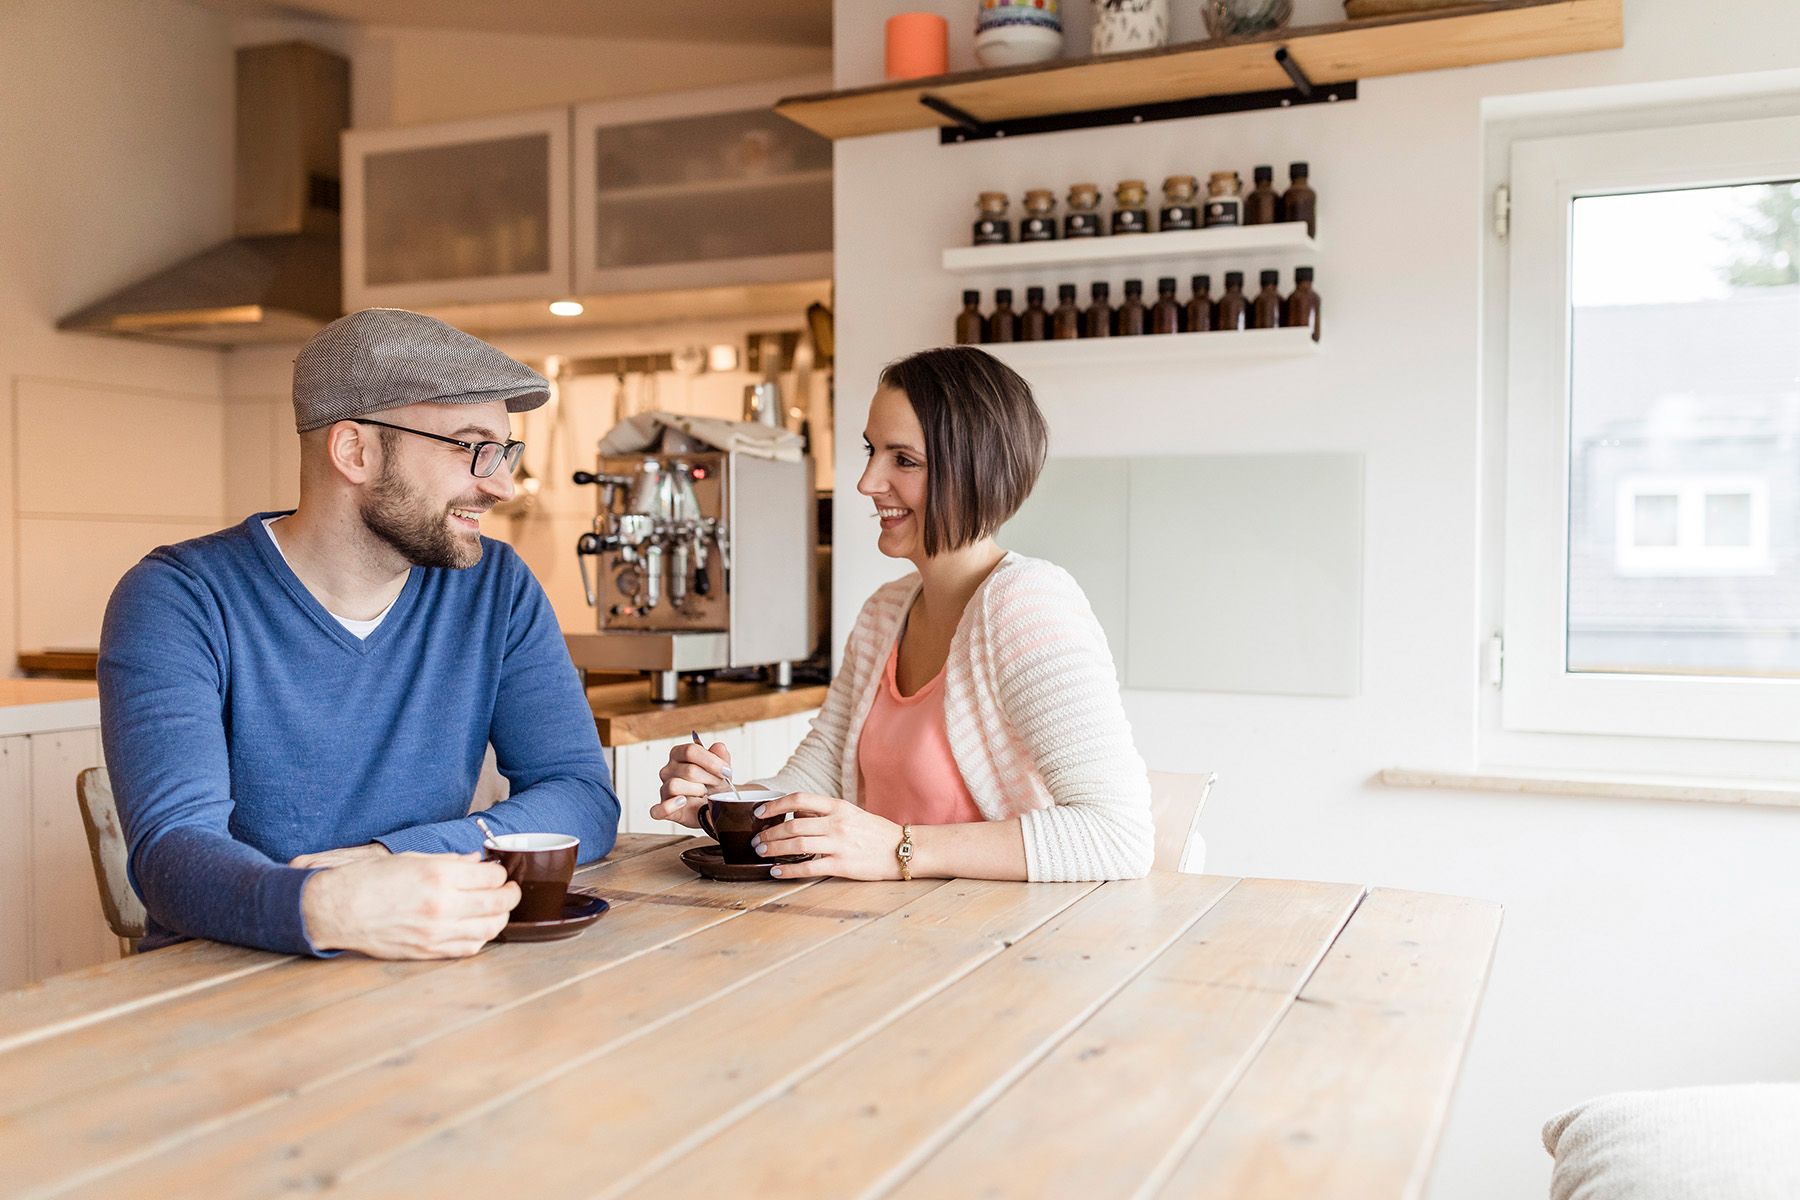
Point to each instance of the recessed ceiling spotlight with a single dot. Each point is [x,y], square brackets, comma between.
[566,308]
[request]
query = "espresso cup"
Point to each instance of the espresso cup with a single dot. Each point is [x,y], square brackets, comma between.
[730,818]
[542,865]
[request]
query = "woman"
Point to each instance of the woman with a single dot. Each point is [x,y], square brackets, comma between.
[975,728]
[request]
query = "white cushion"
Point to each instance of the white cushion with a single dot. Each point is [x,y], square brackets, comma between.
[1716,1143]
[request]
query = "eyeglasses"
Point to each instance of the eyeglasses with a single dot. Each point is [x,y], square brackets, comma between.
[484,457]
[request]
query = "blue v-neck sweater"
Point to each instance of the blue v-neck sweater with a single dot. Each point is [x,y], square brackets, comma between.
[243,726]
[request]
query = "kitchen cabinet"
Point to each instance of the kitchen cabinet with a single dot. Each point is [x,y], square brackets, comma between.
[462,212]
[700,189]
[758,748]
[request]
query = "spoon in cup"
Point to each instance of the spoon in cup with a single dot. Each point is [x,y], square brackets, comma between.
[726,770]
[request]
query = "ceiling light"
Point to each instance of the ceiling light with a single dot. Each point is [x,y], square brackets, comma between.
[566,308]
[723,357]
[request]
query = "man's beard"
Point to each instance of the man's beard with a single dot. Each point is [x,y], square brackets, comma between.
[397,514]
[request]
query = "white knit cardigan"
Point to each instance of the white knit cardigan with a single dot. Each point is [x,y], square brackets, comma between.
[1031,704]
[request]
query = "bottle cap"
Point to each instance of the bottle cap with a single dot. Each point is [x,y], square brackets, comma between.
[1203,283]
[1269,277]
[1234,279]
[971,297]
[1002,295]
[1101,289]
[1166,284]
[1303,274]
[1034,295]
[1065,291]
[1134,287]
[1263,174]
[1297,170]
[992,202]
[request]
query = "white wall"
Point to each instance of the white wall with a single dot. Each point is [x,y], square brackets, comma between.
[113,162]
[1643,940]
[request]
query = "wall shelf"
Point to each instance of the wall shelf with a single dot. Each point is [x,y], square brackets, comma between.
[1286,237]
[744,185]
[1498,31]
[1222,345]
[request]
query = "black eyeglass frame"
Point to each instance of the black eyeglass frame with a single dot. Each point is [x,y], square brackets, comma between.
[510,451]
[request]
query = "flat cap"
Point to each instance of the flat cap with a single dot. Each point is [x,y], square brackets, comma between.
[383,358]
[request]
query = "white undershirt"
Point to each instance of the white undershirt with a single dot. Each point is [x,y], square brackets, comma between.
[361,629]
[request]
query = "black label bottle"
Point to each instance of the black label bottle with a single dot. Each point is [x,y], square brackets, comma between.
[1234,307]
[1300,202]
[1179,211]
[971,327]
[1202,310]
[1129,214]
[1165,314]
[1265,312]
[1133,318]
[1003,322]
[1097,321]
[1224,203]
[1083,218]
[1034,322]
[1262,206]
[991,227]
[1065,322]
[1303,302]
[1039,222]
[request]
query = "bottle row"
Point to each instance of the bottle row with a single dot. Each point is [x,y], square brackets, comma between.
[1183,207]
[1202,313]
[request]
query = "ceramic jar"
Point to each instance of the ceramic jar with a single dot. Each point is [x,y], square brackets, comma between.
[1012,33]
[1130,25]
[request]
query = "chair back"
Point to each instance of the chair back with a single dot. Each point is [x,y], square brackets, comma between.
[106,841]
[1175,804]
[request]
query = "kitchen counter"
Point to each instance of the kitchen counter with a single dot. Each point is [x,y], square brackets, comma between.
[625,713]
[47,705]
[60,664]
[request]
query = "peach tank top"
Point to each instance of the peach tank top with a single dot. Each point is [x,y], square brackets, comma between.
[909,775]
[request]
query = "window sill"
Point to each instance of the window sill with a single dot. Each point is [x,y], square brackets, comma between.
[1570,783]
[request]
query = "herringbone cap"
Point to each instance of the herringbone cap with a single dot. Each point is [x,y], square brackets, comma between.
[383,358]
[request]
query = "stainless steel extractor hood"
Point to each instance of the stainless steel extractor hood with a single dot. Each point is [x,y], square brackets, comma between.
[281,278]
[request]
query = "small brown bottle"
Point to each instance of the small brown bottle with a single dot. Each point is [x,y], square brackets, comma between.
[1133,318]
[1262,206]
[1202,310]
[1265,313]
[1234,307]
[971,326]
[1303,302]
[1065,322]
[1165,314]
[1300,202]
[1034,322]
[1003,322]
[1097,321]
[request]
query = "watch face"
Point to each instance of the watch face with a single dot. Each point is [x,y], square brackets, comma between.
[905,851]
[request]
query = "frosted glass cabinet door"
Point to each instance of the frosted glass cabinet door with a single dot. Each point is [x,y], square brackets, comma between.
[466,212]
[704,189]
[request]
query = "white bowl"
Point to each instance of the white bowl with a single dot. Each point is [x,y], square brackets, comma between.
[1017,45]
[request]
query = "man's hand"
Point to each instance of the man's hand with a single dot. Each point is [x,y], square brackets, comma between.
[341,858]
[408,905]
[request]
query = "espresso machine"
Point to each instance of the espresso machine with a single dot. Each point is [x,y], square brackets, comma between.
[700,559]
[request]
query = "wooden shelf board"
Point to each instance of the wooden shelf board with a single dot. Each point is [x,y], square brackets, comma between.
[1153,348]
[1398,45]
[714,187]
[1219,241]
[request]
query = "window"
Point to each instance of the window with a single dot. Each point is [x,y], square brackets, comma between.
[1653,433]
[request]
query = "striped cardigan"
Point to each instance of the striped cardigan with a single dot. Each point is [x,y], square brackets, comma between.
[1031,703]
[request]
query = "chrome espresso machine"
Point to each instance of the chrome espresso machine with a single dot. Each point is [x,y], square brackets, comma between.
[700,559]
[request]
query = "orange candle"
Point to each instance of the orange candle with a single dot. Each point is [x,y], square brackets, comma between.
[918,44]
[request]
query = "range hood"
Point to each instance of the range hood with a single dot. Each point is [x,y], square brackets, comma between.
[281,278]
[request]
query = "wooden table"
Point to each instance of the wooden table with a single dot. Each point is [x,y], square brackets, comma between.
[1182,1035]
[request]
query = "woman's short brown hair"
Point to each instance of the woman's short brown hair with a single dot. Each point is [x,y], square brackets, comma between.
[985,440]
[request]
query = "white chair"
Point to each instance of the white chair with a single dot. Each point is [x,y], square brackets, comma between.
[1175,804]
[106,842]
[1734,1141]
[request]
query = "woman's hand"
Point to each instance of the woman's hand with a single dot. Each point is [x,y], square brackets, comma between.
[691,773]
[848,842]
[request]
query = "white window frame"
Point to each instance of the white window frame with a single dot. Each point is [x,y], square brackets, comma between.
[1690,555]
[1538,693]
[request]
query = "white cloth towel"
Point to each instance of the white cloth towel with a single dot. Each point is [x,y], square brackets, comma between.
[645,431]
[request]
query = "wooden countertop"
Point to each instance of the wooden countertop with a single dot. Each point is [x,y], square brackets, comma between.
[625,713]
[60,664]
[16,692]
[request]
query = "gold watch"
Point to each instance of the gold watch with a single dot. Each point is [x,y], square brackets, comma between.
[904,852]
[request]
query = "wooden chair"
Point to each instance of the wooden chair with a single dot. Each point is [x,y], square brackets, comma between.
[1175,804]
[106,841]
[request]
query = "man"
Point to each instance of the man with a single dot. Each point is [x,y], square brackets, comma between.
[295,710]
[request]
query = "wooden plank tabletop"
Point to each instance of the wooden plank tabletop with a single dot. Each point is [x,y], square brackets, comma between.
[625,713]
[1181,1035]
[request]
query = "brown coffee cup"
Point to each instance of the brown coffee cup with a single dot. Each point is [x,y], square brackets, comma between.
[542,865]
[730,817]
